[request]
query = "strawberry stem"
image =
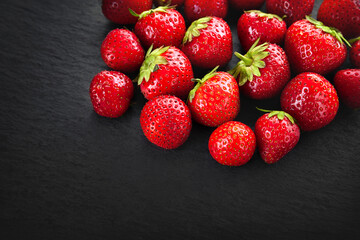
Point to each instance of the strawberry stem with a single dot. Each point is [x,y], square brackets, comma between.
[201,82]
[331,30]
[268,15]
[352,41]
[193,30]
[279,114]
[250,63]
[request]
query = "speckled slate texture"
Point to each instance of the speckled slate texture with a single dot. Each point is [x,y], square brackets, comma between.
[66,173]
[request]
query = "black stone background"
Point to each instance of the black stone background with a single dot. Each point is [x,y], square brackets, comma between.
[67,173]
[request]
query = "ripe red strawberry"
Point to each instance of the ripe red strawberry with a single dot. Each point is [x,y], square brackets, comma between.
[341,14]
[195,9]
[263,71]
[256,24]
[163,26]
[208,43]
[165,71]
[311,100]
[347,84]
[177,3]
[355,52]
[276,135]
[215,99]
[232,144]
[313,47]
[121,50]
[246,4]
[118,10]
[166,121]
[293,9]
[110,93]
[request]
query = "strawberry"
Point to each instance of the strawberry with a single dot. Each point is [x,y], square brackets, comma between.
[166,121]
[311,100]
[246,4]
[276,135]
[165,70]
[121,50]
[341,14]
[195,9]
[347,84]
[110,93]
[232,144]
[294,10]
[177,3]
[256,24]
[163,26]
[215,99]
[355,52]
[118,10]
[263,71]
[208,43]
[313,47]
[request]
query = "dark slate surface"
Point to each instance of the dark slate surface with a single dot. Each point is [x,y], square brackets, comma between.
[66,173]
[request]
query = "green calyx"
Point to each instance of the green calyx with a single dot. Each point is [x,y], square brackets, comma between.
[250,63]
[262,14]
[145,13]
[352,41]
[201,82]
[331,30]
[193,30]
[279,114]
[151,63]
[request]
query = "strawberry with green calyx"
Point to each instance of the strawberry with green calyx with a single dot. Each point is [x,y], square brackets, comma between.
[195,9]
[255,24]
[313,47]
[162,26]
[118,10]
[263,71]
[276,135]
[165,70]
[215,99]
[355,52]
[208,43]
[232,143]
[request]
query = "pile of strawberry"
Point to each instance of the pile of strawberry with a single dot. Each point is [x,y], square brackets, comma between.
[311,50]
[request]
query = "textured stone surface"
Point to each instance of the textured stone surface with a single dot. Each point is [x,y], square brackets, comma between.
[66,173]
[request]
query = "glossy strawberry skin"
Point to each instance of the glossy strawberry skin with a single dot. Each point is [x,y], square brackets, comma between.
[347,84]
[110,93]
[121,50]
[217,101]
[311,100]
[274,76]
[117,11]
[173,78]
[293,9]
[341,14]
[310,49]
[161,29]
[166,121]
[213,47]
[246,4]
[251,26]
[232,144]
[195,9]
[275,138]
[177,3]
[355,54]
